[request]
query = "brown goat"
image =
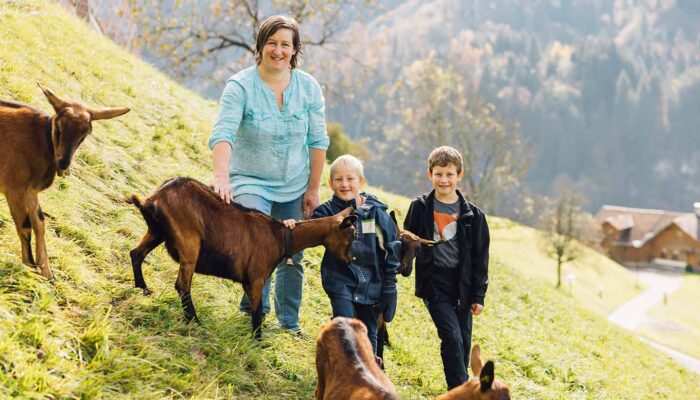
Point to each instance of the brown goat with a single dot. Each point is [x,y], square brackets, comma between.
[346,366]
[35,147]
[410,246]
[208,236]
[483,386]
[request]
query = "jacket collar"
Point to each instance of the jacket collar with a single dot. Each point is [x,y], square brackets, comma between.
[342,204]
[369,200]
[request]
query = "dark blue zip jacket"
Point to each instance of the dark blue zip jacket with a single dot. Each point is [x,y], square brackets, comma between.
[474,241]
[375,253]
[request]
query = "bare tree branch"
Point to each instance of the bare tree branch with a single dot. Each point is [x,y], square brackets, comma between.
[192,36]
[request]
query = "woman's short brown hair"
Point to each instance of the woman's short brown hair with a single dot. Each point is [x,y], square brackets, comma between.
[272,25]
[444,156]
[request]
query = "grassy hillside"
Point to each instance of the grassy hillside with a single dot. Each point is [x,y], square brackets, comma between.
[90,334]
[599,284]
[677,323]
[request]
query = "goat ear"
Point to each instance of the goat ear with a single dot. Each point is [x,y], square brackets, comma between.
[56,102]
[348,221]
[345,212]
[393,218]
[107,113]
[475,360]
[486,377]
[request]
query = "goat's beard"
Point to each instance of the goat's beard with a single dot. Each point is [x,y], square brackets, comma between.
[63,172]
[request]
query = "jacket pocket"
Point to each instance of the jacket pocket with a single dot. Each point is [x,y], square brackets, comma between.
[362,254]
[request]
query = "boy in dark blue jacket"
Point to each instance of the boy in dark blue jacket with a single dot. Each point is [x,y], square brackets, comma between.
[366,287]
[451,278]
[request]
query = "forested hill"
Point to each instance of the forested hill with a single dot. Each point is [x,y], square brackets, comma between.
[607,92]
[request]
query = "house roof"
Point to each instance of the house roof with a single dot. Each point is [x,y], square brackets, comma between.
[644,224]
[621,221]
[689,224]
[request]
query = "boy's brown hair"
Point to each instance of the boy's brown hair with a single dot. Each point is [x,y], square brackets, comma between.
[443,156]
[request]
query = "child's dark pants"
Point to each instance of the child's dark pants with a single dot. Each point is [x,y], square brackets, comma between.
[364,312]
[454,326]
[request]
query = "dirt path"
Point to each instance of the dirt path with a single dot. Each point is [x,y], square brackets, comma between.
[631,314]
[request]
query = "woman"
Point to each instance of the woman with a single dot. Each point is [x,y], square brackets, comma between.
[269,145]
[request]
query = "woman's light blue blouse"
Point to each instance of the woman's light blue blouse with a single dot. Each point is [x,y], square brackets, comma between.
[269,147]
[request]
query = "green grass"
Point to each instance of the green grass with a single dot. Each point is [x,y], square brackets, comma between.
[600,284]
[90,334]
[677,323]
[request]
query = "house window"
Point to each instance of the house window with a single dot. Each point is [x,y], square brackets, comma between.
[674,255]
[664,253]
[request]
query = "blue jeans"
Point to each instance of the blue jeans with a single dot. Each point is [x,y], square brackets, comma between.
[366,313]
[288,279]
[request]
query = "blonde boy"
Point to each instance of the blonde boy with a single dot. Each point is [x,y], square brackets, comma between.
[367,286]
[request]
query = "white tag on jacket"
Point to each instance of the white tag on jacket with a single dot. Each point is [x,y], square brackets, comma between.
[368,226]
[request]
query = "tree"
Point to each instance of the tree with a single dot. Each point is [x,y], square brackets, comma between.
[562,225]
[189,34]
[340,144]
[435,108]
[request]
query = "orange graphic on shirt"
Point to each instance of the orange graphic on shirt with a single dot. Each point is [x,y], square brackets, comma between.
[445,227]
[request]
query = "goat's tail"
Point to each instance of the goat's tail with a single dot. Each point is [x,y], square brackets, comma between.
[134,199]
[147,209]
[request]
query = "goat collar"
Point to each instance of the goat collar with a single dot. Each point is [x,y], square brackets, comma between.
[48,131]
[288,247]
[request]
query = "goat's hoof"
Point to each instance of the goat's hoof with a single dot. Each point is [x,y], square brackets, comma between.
[46,273]
[146,291]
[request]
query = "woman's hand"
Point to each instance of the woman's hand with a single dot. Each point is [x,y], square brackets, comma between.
[222,187]
[477,309]
[310,202]
[289,223]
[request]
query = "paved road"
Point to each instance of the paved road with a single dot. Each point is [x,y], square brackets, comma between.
[631,314]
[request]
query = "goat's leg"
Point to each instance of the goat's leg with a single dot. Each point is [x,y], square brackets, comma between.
[254,292]
[23,225]
[188,249]
[36,216]
[382,337]
[149,242]
[183,285]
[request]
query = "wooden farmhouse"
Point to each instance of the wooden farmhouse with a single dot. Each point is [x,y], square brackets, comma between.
[642,237]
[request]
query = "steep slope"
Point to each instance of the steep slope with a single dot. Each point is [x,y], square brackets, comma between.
[90,334]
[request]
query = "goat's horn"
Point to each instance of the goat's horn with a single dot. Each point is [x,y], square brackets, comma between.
[427,242]
[56,102]
[107,113]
